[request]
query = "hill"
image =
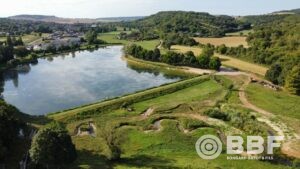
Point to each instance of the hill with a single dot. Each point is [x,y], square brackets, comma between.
[46,18]
[293,11]
[192,23]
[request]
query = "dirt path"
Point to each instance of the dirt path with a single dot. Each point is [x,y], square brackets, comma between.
[247,104]
[196,70]
[160,44]
[292,140]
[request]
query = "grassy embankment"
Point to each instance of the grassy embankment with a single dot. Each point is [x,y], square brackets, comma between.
[282,104]
[156,67]
[168,146]
[128,99]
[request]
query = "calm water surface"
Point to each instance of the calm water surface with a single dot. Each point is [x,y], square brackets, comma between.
[71,80]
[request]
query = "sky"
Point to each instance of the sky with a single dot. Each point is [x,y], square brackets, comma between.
[116,8]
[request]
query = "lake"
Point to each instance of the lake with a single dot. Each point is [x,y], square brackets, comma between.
[70,80]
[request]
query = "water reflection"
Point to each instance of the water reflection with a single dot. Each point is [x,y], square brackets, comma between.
[73,79]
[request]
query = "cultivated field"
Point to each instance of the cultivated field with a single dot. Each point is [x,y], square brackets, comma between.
[228,41]
[183,49]
[242,65]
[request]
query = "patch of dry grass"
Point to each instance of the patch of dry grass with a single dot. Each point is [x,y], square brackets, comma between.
[226,60]
[183,49]
[228,41]
[242,65]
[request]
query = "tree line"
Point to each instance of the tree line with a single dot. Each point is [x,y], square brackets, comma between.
[205,60]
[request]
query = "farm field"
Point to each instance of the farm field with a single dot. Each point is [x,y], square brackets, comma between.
[160,132]
[29,38]
[228,41]
[111,38]
[183,49]
[243,65]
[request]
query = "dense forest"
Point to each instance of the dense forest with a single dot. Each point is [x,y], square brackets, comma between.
[191,23]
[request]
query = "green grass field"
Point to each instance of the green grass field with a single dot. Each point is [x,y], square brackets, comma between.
[168,147]
[111,38]
[29,38]
[278,102]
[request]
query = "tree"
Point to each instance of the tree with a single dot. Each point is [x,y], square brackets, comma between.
[113,142]
[6,53]
[52,147]
[156,55]
[9,127]
[273,73]
[91,37]
[222,49]
[9,42]
[189,58]
[292,82]
[167,44]
[19,41]
[21,51]
[215,63]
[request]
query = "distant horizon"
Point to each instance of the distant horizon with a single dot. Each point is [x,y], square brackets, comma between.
[141,15]
[93,9]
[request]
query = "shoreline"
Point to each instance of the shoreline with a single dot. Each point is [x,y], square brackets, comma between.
[28,59]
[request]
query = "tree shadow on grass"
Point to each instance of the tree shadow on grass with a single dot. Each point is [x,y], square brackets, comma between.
[224,59]
[139,161]
[88,159]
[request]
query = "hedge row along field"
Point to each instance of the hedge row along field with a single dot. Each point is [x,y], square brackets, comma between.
[126,100]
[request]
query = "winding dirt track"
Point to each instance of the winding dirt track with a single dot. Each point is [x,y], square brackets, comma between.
[289,146]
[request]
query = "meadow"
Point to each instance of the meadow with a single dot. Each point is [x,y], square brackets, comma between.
[228,41]
[284,105]
[29,38]
[111,38]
